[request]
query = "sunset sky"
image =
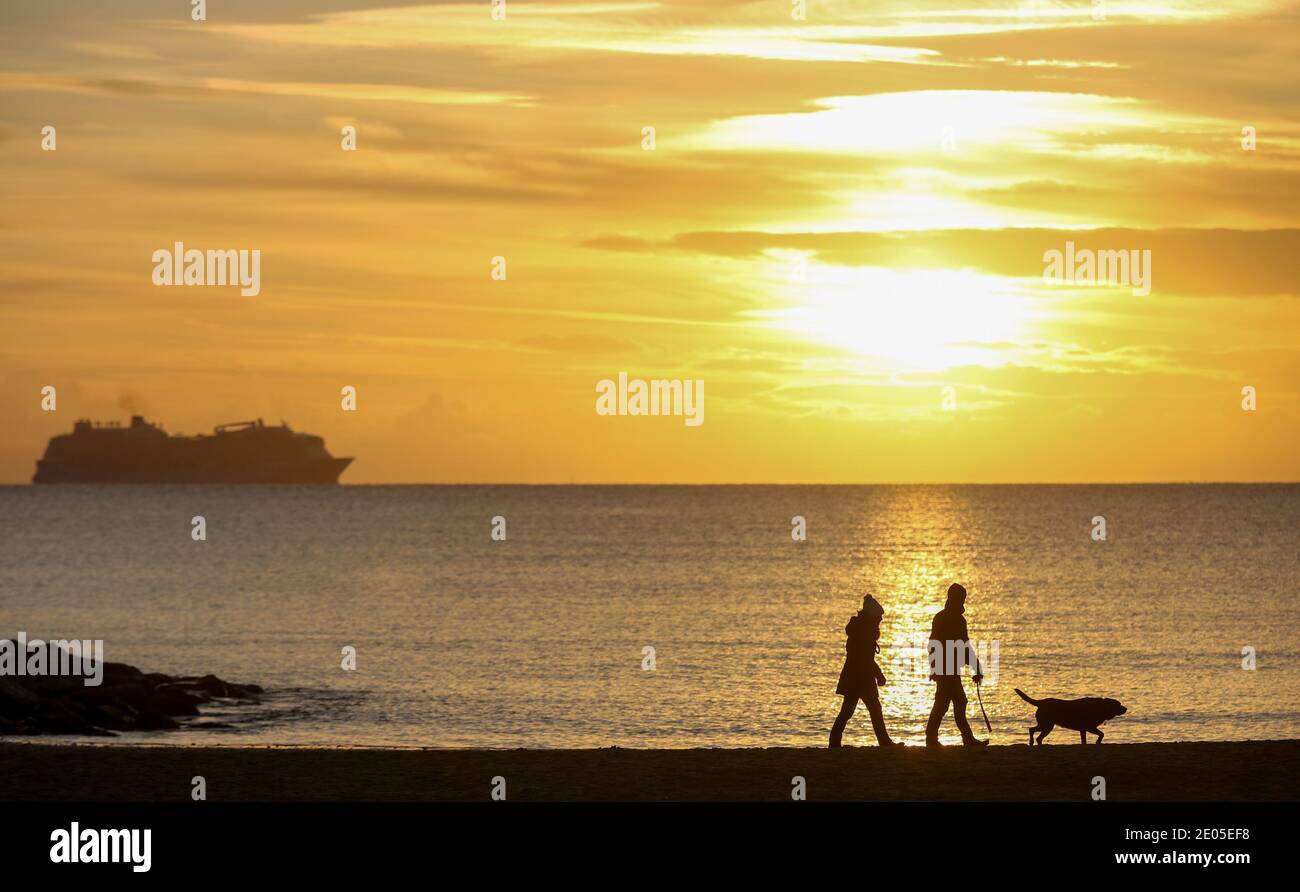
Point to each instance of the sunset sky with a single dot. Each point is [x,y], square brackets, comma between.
[916,158]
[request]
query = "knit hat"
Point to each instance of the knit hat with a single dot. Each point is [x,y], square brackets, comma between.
[871,608]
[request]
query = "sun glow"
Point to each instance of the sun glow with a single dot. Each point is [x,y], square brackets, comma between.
[937,121]
[917,320]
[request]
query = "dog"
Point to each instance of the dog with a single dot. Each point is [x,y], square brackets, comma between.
[1082,715]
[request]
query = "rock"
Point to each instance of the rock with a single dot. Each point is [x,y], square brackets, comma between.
[187,688]
[136,695]
[126,700]
[15,694]
[116,717]
[121,673]
[58,717]
[50,685]
[173,701]
[212,686]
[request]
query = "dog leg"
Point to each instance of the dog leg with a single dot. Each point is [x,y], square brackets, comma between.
[1031,734]
[1044,733]
[1100,735]
[1083,737]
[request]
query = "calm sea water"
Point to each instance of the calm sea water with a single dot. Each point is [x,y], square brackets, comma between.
[538,641]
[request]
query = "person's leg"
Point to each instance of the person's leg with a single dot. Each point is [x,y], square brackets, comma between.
[959,714]
[872,699]
[937,713]
[846,712]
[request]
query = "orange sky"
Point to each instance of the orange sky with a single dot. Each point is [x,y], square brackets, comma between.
[916,158]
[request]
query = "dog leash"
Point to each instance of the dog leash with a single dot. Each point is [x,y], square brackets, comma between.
[986,715]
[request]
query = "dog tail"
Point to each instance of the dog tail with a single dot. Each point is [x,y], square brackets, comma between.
[1027,698]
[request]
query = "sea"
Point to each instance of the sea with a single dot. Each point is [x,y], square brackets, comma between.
[666,616]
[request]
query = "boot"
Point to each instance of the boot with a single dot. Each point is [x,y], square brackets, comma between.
[878,725]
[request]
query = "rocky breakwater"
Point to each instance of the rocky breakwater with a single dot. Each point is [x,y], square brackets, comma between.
[46,688]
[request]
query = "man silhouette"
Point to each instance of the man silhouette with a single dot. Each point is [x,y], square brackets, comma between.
[948,651]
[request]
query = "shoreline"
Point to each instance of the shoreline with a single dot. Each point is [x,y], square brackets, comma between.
[47,771]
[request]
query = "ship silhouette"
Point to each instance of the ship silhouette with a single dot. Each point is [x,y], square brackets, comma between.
[242,452]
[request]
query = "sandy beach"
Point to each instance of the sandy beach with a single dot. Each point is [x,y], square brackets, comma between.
[1207,772]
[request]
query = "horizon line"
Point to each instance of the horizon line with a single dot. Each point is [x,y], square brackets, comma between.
[575,483]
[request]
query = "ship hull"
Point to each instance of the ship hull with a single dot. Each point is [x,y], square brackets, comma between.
[318,472]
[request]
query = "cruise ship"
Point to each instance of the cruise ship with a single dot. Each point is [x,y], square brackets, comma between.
[242,452]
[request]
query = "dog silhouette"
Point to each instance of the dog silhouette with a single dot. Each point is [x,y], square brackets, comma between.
[1084,715]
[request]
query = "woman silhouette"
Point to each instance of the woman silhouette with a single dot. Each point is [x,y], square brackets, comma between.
[860,676]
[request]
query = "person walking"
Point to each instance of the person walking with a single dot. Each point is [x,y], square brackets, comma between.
[861,677]
[949,647]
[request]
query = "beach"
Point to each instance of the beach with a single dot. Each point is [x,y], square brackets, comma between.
[1162,772]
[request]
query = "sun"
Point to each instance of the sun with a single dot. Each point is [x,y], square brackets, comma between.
[910,320]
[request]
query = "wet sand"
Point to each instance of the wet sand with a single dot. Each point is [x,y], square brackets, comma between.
[1207,772]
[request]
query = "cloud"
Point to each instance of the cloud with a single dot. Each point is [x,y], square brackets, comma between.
[1188,262]
[214,86]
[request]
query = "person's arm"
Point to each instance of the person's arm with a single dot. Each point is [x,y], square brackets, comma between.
[936,659]
[978,671]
